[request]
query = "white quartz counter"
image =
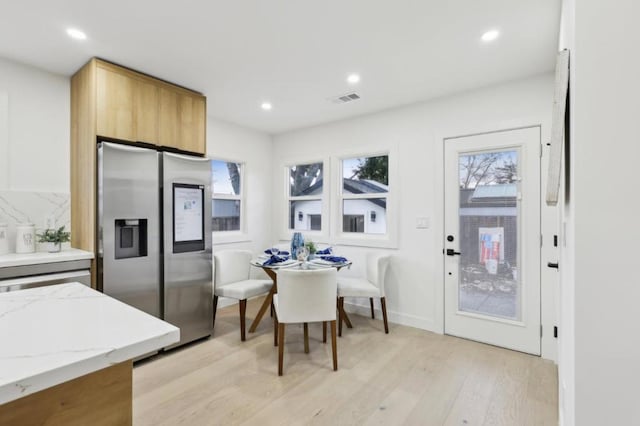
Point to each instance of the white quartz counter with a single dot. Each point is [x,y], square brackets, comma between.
[49,335]
[15,259]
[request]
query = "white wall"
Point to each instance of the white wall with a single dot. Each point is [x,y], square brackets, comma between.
[604,244]
[34,147]
[566,336]
[414,290]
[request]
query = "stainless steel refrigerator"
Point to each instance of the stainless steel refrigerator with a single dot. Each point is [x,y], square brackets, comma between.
[154,234]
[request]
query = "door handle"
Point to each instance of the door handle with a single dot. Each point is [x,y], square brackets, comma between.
[552,265]
[451,252]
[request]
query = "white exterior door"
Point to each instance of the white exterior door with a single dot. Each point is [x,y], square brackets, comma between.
[492,238]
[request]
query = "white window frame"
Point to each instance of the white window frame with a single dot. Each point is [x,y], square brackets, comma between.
[387,240]
[317,236]
[240,235]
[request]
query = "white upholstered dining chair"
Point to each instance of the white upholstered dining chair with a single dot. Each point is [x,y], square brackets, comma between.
[232,270]
[305,296]
[372,285]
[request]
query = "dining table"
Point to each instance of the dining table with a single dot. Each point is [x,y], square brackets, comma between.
[272,271]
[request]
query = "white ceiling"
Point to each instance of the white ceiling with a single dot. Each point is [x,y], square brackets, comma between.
[294,53]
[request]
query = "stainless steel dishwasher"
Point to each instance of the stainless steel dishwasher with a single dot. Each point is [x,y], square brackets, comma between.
[42,274]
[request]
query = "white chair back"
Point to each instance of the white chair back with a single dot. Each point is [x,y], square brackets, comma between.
[377,264]
[231,266]
[307,296]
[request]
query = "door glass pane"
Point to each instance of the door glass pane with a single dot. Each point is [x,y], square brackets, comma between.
[489,281]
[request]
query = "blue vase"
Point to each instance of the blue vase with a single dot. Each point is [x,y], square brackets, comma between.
[297,241]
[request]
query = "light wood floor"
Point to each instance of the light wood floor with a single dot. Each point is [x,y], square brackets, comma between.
[409,376]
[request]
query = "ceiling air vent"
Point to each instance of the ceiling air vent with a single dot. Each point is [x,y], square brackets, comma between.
[343,99]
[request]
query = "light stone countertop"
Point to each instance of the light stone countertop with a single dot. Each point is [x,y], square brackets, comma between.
[49,335]
[16,259]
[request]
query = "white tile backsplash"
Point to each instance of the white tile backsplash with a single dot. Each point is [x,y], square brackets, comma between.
[43,209]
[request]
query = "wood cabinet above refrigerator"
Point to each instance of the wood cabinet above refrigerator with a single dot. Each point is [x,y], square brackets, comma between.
[136,107]
[113,102]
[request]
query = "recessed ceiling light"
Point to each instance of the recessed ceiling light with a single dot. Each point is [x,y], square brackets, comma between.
[266,106]
[353,78]
[490,35]
[76,34]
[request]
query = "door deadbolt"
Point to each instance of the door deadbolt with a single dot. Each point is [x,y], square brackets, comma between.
[450,238]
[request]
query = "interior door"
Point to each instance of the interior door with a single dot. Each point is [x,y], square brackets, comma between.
[492,238]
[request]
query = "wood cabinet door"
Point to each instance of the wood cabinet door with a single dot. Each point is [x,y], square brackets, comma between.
[146,101]
[115,116]
[167,117]
[191,123]
[182,117]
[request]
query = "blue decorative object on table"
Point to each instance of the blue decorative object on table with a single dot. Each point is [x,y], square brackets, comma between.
[297,241]
[335,259]
[324,252]
[274,259]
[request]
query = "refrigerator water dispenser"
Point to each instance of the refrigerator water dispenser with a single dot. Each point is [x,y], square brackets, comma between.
[131,238]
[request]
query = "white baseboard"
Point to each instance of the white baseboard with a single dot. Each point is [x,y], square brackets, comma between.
[392,316]
[365,310]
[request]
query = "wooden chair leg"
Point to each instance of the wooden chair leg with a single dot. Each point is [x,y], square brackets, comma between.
[280,347]
[373,316]
[306,338]
[334,345]
[384,315]
[324,332]
[340,303]
[215,309]
[243,311]
[271,313]
[275,330]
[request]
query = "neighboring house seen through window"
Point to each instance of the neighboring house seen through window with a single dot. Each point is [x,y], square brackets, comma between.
[226,188]
[305,197]
[365,189]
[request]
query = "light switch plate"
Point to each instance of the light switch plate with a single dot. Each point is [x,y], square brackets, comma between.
[422,222]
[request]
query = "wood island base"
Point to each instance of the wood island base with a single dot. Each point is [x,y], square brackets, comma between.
[103,397]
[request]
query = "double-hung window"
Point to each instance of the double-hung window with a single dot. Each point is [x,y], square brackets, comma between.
[364,192]
[226,188]
[305,191]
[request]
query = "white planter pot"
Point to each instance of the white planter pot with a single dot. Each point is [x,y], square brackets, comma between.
[51,247]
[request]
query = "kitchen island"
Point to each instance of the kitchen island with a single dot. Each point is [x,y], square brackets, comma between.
[66,355]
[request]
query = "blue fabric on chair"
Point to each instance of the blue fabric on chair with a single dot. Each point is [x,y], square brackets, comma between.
[335,259]
[275,259]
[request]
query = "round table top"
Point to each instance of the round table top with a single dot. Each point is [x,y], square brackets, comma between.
[296,264]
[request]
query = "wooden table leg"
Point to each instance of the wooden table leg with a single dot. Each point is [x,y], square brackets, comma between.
[267,302]
[345,317]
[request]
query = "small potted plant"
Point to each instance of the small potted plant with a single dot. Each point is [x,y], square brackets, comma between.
[53,239]
[311,247]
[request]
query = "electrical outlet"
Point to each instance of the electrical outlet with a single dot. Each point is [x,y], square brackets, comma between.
[422,222]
